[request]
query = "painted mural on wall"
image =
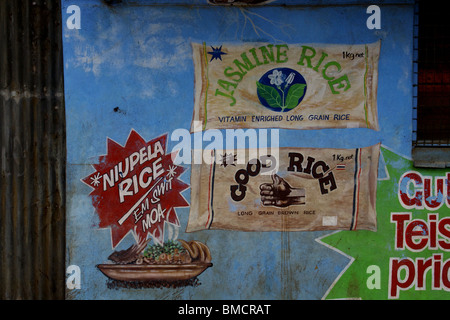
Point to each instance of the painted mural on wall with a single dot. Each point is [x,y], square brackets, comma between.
[337,213]
[412,241]
[137,190]
[310,86]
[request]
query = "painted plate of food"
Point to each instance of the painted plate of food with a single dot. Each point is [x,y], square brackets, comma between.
[172,261]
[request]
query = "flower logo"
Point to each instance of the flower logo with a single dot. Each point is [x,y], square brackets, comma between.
[281,89]
[276,78]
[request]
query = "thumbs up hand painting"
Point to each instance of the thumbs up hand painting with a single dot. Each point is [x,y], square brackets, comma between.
[280,194]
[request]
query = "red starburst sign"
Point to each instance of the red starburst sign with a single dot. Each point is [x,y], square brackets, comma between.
[137,188]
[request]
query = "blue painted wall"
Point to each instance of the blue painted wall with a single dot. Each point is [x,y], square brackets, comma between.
[130,66]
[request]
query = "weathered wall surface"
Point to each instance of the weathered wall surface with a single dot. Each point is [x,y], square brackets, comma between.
[130,67]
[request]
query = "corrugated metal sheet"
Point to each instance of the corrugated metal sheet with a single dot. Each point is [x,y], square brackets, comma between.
[32,144]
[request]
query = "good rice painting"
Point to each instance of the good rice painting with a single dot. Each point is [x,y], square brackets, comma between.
[313,189]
